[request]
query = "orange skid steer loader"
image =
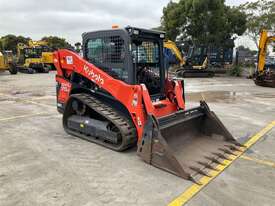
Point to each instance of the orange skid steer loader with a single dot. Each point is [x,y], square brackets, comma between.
[119,95]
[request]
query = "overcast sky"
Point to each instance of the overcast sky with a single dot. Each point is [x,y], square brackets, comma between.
[70,18]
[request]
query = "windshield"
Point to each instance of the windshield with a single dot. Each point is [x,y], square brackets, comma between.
[270,56]
[146,59]
[108,53]
[32,52]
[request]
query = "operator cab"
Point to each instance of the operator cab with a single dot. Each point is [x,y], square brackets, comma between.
[32,52]
[196,55]
[132,55]
[29,53]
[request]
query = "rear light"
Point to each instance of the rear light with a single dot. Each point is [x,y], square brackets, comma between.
[115,26]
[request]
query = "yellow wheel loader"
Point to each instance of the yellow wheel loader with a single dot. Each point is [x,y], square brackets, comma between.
[7,62]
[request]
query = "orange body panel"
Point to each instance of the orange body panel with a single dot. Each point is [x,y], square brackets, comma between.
[134,97]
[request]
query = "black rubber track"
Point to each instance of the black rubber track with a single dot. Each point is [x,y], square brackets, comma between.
[193,73]
[125,126]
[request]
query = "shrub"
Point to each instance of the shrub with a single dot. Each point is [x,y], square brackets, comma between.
[236,71]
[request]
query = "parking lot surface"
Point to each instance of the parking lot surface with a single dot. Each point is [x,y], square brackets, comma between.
[42,165]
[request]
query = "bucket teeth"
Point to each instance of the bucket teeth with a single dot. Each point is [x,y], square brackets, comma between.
[223,156]
[189,144]
[240,145]
[227,151]
[220,155]
[207,165]
[237,143]
[215,160]
[199,171]
[194,180]
[233,148]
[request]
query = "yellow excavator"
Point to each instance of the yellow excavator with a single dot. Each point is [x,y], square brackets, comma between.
[265,72]
[7,62]
[173,47]
[47,53]
[185,68]
[29,58]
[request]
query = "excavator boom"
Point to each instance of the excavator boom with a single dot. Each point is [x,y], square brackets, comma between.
[173,47]
[265,74]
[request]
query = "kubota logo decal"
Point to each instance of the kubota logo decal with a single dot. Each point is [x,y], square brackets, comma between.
[94,76]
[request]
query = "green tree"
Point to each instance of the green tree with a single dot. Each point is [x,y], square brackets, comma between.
[55,42]
[203,21]
[260,15]
[173,18]
[10,41]
[1,45]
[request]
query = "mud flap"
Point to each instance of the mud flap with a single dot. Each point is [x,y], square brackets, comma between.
[188,143]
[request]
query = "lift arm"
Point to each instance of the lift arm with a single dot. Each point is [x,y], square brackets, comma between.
[172,46]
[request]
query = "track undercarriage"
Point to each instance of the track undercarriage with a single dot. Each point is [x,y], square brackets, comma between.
[93,120]
[200,73]
[265,80]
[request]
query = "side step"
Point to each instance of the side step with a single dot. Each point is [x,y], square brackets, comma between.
[188,143]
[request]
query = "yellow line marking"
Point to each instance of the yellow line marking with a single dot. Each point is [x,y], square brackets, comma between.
[262,162]
[195,188]
[257,136]
[23,116]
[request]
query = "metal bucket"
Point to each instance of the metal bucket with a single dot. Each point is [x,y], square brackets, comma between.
[187,143]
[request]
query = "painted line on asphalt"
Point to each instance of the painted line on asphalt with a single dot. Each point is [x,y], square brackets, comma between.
[262,162]
[39,104]
[28,101]
[194,189]
[25,116]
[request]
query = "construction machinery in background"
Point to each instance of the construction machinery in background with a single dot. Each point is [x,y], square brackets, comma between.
[7,62]
[33,58]
[119,95]
[46,53]
[193,65]
[265,71]
[170,45]
[47,58]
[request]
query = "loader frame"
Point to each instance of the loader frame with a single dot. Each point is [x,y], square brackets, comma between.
[131,97]
[88,93]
